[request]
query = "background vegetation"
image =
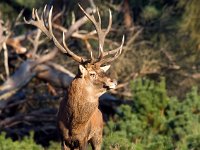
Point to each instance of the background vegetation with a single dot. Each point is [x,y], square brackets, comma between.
[158,71]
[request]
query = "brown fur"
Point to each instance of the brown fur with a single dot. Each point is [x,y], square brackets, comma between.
[79,119]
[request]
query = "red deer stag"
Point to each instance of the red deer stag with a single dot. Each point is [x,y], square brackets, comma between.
[79,119]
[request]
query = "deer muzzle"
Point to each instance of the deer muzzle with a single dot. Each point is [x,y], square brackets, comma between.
[110,84]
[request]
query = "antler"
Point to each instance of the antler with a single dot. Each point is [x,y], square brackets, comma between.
[101,37]
[41,23]
[45,25]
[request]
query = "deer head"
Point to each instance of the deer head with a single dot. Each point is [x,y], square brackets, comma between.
[92,68]
[96,79]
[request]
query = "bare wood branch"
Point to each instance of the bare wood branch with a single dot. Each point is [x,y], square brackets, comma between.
[48,72]
[132,39]
[89,48]
[15,43]
[92,4]
[76,25]
[20,78]
[6,60]
[23,75]
[35,116]
[58,15]
[2,37]
[36,42]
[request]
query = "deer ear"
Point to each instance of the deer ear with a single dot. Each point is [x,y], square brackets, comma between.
[82,70]
[105,68]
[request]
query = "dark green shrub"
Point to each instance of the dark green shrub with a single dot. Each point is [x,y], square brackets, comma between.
[155,121]
[27,143]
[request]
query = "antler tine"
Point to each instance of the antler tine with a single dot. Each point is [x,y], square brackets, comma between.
[116,51]
[33,14]
[89,48]
[110,23]
[64,49]
[43,15]
[41,24]
[70,53]
[102,53]
[101,34]
[111,52]
[92,19]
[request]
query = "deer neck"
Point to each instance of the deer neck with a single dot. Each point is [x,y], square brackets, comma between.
[83,91]
[82,101]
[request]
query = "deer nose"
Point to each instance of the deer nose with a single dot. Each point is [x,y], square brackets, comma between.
[110,84]
[114,81]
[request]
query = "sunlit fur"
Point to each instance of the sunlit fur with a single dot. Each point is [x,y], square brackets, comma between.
[79,119]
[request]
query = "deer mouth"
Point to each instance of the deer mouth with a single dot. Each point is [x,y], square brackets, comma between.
[106,87]
[109,87]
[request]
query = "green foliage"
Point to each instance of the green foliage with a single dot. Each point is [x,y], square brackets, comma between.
[54,146]
[126,128]
[31,3]
[150,12]
[191,23]
[155,121]
[27,143]
[5,12]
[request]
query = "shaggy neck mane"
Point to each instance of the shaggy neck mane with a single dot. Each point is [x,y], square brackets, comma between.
[81,103]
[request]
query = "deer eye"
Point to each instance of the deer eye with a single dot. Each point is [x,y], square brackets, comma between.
[93,75]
